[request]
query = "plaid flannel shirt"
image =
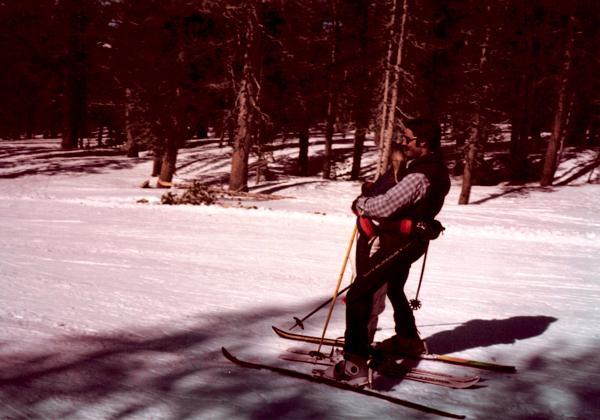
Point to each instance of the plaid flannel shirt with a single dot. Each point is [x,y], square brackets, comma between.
[410,190]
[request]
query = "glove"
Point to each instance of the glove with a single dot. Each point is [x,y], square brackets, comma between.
[428,230]
[355,208]
[366,227]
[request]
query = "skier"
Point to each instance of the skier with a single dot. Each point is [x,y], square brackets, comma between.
[367,242]
[390,211]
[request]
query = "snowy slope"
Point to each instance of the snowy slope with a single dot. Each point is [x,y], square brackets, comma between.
[112,308]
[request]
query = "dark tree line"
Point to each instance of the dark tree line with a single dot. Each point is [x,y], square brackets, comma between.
[154,73]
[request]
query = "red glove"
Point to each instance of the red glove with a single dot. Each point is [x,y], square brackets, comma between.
[366,227]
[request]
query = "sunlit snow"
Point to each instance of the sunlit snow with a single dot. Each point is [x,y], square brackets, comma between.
[114,306]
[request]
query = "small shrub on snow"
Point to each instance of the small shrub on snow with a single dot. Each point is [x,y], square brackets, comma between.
[197,194]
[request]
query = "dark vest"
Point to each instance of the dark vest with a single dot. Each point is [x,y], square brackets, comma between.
[434,168]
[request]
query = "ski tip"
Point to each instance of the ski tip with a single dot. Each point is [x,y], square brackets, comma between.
[473,363]
[495,367]
[280,332]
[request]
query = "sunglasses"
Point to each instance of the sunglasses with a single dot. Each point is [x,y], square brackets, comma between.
[407,139]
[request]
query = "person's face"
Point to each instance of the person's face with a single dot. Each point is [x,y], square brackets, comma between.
[397,159]
[411,148]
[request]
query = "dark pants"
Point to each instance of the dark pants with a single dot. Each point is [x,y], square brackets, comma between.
[391,265]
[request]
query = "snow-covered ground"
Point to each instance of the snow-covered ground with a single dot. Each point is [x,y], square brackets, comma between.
[114,308]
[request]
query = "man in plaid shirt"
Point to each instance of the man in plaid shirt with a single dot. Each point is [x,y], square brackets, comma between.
[390,217]
[411,189]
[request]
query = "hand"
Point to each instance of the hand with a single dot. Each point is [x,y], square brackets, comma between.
[353,207]
[428,230]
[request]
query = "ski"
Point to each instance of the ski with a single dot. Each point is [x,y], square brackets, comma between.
[308,356]
[391,368]
[429,356]
[340,385]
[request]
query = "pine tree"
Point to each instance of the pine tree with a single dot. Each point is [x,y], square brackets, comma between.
[478,97]
[248,114]
[557,136]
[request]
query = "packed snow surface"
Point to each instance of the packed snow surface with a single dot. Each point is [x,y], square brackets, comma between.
[115,306]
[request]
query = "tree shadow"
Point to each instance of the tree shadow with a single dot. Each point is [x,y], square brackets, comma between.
[94,166]
[517,191]
[277,187]
[579,171]
[179,373]
[19,161]
[556,371]
[485,333]
[153,373]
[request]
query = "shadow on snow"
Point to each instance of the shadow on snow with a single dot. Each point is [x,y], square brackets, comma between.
[50,160]
[150,373]
[485,333]
[179,374]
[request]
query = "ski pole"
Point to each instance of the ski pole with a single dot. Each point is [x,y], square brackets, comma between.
[416,303]
[300,322]
[337,287]
[364,287]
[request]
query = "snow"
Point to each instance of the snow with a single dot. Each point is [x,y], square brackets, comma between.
[115,308]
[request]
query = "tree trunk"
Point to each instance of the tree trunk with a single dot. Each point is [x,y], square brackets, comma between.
[303,137]
[520,144]
[362,111]
[594,131]
[474,146]
[100,135]
[359,141]
[567,122]
[247,106]
[238,180]
[169,161]
[550,162]
[30,121]
[329,128]
[131,147]
[75,103]
[157,163]
[383,108]
[173,128]
[471,156]
[332,94]
[76,84]
[174,135]
[390,120]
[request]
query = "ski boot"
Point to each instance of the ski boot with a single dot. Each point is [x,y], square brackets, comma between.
[353,370]
[399,347]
